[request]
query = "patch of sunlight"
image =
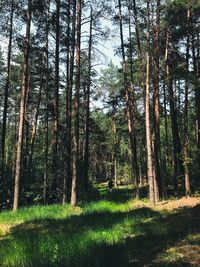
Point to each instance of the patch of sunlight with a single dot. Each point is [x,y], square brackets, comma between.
[37,213]
[171,255]
[192,239]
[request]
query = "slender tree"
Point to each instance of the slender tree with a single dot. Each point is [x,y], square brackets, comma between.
[76,108]
[24,88]
[6,92]
[56,102]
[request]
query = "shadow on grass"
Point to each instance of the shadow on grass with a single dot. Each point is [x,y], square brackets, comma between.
[99,239]
[118,195]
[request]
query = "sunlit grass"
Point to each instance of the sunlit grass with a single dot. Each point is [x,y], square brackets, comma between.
[37,213]
[103,233]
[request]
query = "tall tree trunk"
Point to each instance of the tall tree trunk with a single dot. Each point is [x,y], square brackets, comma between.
[24,87]
[87,117]
[150,163]
[156,105]
[195,59]
[56,105]
[68,111]
[177,149]
[6,93]
[134,148]
[129,103]
[186,139]
[76,109]
[34,127]
[68,178]
[150,166]
[46,125]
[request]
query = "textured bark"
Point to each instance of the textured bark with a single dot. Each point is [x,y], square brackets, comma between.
[150,166]
[76,109]
[150,163]
[24,88]
[156,105]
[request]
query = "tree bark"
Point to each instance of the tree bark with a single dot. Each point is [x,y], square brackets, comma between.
[150,163]
[186,139]
[70,77]
[87,117]
[6,94]
[115,151]
[129,103]
[156,105]
[24,87]
[76,109]
[56,105]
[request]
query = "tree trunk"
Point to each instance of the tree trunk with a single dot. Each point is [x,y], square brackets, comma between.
[115,151]
[56,106]
[197,90]
[46,125]
[70,75]
[178,166]
[5,109]
[150,163]
[76,109]
[156,104]
[186,139]
[68,112]
[133,111]
[150,166]
[129,102]
[24,87]
[87,117]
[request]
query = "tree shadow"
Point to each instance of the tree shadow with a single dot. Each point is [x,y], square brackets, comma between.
[156,237]
[99,239]
[118,195]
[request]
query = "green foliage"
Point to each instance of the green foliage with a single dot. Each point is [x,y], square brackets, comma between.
[103,233]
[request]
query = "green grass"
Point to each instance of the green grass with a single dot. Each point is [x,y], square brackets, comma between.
[104,233]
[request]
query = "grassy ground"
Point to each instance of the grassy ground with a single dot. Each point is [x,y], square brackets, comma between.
[116,231]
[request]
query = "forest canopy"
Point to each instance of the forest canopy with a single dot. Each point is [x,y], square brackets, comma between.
[67,124]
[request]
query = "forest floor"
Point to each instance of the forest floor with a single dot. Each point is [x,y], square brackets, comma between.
[113,231]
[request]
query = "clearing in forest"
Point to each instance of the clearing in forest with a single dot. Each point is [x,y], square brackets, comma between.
[114,230]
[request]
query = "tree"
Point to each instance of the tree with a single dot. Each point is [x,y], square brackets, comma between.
[24,88]
[76,109]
